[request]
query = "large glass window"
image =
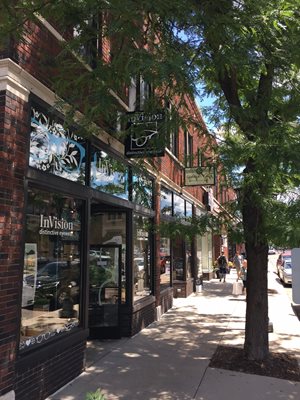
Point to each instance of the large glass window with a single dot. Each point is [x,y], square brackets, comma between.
[188,209]
[142,190]
[188,259]
[141,258]
[178,259]
[55,149]
[188,148]
[106,229]
[51,277]
[165,201]
[179,210]
[108,174]
[165,260]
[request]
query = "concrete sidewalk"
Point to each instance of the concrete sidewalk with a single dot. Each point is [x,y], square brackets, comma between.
[169,360]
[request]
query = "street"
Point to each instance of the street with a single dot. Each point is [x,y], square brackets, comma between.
[287,288]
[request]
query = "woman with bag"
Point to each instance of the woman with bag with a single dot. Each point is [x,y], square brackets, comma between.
[243,275]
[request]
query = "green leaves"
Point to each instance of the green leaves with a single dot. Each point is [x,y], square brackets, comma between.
[98,395]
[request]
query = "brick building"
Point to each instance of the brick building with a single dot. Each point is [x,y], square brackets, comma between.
[77,257]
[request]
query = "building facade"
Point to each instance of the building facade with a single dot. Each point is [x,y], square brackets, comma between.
[79,256]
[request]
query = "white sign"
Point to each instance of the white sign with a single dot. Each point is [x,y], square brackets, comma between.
[296,275]
[50,225]
[199,176]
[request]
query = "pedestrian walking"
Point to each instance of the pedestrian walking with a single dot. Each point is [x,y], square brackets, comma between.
[222,265]
[243,275]
[237,263]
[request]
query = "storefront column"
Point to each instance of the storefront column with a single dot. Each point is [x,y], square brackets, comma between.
[157,244]
[13,163]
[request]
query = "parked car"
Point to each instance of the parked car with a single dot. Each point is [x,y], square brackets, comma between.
[284,256]
[54,281]
[271,251]
[285,272]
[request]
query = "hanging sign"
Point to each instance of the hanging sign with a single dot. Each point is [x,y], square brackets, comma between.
[199,176]
[146,136]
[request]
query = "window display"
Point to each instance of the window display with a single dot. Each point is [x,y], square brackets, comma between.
[51,276]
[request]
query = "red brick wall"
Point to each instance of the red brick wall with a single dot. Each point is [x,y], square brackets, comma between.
[37,380]
[13,161]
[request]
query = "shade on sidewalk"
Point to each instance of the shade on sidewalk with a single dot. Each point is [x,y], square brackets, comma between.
[169,360]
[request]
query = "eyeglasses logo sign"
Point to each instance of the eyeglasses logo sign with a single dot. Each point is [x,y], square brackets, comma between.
[145,135]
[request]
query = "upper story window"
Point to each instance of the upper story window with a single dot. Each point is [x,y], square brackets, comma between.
[108,174]
[188,149]
[87,34]
[140,91]
[55,149]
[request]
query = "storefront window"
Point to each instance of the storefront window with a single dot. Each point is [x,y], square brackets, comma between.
[141,258]
[55,149]
[178,206]
[199,270]
[165,201]
[188,209]
[51,277]
[108,174]
[107,235]
[142,190]
[178,260]
[165,259]
[188,262]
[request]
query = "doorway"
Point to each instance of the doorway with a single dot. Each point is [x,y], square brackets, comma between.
[105,290]
[106,268]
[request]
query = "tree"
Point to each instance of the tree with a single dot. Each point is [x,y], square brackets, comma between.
[243,52]
[246,55]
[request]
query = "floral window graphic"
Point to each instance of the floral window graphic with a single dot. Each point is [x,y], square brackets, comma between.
[55,149]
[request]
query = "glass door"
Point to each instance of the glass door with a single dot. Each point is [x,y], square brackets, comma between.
[104,290]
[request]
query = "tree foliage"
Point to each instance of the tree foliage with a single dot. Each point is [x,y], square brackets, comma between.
[243,52]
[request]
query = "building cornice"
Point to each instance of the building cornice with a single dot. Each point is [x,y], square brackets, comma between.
[19,82]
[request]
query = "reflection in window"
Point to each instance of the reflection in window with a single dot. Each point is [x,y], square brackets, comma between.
[165,201]
[178,206]
[178,259]
[188,261]
[108,174]
[51,277]
[142,190]
[188,210]
[55,149]
[106,228]
[141,258]
[165,260]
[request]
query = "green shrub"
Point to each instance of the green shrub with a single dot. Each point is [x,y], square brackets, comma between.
[98,395]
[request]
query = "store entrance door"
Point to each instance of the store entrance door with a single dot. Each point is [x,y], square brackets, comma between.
[104,290]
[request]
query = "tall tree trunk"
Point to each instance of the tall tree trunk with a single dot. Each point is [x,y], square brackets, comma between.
[256,343]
